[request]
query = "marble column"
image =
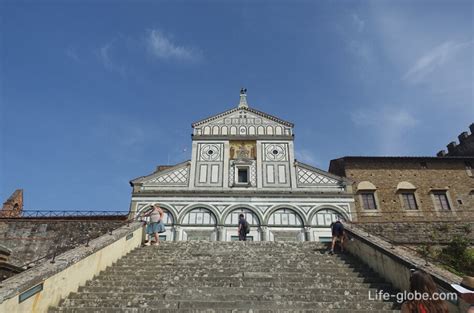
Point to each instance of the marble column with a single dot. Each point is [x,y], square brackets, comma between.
[263,233]
[308,234]
[177,233]
[220,233]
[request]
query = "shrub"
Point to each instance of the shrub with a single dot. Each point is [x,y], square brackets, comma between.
[458,256]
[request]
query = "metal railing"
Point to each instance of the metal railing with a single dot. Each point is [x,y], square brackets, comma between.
[4,214]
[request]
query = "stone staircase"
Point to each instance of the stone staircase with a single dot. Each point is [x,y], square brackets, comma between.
[200,276]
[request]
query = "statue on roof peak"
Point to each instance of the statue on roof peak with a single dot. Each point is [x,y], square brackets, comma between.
[243,98]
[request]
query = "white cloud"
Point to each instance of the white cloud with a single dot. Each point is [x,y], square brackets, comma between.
[306,156]
[389,125]
[72,53]
[109,64]
[162,47]
[432,60]
[359,23]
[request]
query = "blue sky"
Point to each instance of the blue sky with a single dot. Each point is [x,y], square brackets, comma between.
[96,93]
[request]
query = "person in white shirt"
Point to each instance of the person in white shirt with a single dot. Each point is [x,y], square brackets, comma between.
[155,225]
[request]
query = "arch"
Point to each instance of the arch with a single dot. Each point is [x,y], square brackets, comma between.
[242,131]
[252,130]
[233,208]
[366,185]
[404,185]
[269,130]
[224,130]
[233,130]
[215,130]
[278,130]
[261,130]
[169,212]
[325,215]
[335,208]
[297,211]
[197,206]
[207,130]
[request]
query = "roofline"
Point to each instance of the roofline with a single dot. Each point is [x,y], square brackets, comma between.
[407,158]
[271,117]
[323,172]
[169,169]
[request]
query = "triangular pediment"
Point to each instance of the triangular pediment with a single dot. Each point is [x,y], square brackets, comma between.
[177,175]
[242,121]
[309,176]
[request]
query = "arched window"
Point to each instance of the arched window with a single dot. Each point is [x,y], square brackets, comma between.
[233,218]
[325,217]
[285,217]
[199,217]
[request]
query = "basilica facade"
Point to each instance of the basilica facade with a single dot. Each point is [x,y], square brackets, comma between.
[243,162]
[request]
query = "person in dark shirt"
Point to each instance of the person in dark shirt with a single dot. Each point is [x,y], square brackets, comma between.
[243,225]
[337,229]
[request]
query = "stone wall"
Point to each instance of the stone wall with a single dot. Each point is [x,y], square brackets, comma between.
[14,205]
[395,263]
[72,269]
[30,239]
[414,233]
[426,174]
[465,146]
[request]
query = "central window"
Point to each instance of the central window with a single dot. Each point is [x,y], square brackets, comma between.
[242,175]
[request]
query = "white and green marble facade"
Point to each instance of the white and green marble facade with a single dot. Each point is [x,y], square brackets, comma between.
[243,161]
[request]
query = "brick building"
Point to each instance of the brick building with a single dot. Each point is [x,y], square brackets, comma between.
[14,205]
[401,189]
[465,146]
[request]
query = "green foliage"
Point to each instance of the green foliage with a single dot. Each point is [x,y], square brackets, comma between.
[467,228]
[458,256]
[444,227]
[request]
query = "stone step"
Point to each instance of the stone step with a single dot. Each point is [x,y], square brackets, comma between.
[155,310]
[249,257]
[230,296]
[209,304]
[249,276]
[255,283]
[249,261]
[295,270]
[289,276]
[230,249]
[257,277]
[233,290]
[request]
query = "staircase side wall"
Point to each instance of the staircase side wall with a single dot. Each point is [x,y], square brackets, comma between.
[394,264]
[71,270]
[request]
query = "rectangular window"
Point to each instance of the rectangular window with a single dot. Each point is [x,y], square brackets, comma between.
[409,201]
[368,201]
[441,200]
[236,238]
[243,176]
